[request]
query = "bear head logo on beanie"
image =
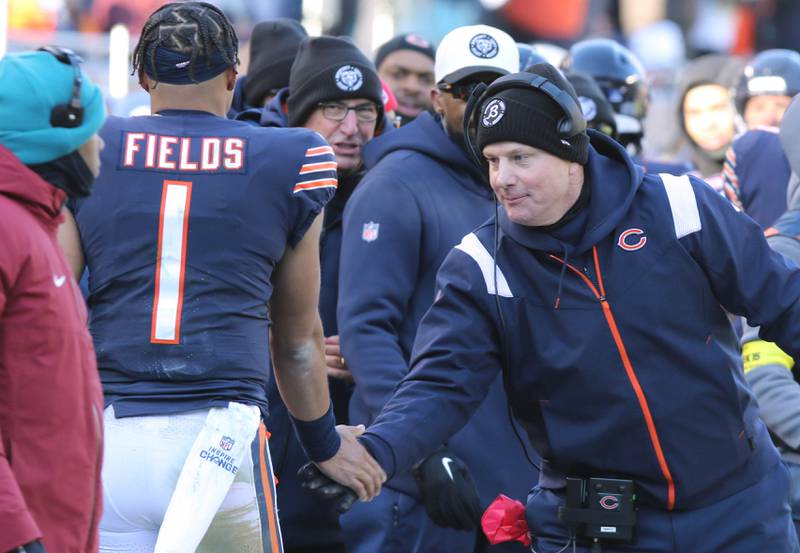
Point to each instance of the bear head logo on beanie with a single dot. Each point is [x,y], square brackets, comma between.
[349,78]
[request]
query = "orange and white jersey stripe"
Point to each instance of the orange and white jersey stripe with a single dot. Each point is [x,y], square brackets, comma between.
[319,151]
[317,171]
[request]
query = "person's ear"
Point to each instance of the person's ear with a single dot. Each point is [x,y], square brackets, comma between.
[230,80]
[437,100]
[144,81]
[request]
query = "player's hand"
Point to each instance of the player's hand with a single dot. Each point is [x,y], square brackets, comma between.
[335,364]
[312,480]
[353,466]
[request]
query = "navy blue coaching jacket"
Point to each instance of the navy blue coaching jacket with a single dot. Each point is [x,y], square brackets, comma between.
[620,358]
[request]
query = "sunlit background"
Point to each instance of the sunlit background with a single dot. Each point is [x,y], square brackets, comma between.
[663,33]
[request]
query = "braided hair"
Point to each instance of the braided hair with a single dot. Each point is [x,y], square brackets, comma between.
[198,28]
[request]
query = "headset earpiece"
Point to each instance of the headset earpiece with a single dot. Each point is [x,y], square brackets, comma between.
[70,114]
[475,99]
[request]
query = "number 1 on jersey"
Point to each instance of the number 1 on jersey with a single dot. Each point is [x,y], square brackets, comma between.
[171,262]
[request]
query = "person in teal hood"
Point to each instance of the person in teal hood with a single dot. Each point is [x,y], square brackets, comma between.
[51,402]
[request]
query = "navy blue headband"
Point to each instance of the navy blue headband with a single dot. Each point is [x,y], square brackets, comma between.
[172,67]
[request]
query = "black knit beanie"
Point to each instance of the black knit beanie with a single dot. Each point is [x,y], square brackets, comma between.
[328,68]
[531,117]
[273,46]
[594,104]
[408,41]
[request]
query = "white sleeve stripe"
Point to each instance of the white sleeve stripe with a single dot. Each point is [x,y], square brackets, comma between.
[471,246]
[683,203]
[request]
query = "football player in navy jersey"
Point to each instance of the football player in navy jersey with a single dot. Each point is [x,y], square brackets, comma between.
[201,241]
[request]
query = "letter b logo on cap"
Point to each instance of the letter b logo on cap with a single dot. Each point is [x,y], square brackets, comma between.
[493,112]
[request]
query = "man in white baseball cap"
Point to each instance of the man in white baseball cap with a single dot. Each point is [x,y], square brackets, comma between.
[472,49]
[468,56]
[421,195]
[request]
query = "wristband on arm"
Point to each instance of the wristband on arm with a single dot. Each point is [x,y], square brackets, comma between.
[318,437]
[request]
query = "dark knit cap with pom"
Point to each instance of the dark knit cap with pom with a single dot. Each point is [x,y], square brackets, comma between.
[273,47]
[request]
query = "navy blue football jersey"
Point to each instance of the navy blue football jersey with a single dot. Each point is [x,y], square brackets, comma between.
[756,174]
[188,219]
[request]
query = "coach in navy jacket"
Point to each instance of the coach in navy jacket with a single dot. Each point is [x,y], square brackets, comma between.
[614,342]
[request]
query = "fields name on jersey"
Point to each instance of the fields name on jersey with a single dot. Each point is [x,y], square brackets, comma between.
[173,153]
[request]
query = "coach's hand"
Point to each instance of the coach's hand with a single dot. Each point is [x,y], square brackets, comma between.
[312,480]
[353,466]
[448,491]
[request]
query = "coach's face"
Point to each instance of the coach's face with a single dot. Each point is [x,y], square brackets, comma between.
[347,125]
[535,187]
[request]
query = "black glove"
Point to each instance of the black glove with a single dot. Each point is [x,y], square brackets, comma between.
[313,481]
[33,547]
[448,491]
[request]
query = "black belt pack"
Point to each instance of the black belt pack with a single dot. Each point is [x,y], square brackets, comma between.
[600,509]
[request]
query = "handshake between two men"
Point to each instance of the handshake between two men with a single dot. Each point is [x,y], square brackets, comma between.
[349,475]
[444,481]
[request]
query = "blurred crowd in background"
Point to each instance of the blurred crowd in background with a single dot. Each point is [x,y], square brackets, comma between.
[663,34]
[693,87]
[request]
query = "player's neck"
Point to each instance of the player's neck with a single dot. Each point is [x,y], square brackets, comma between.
[216,107]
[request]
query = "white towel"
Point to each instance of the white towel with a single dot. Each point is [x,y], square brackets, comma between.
[207,475]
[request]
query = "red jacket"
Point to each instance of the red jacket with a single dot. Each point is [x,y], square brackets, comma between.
[51,404]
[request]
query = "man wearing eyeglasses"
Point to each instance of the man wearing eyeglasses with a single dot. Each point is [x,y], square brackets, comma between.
[335,91]
[421,195]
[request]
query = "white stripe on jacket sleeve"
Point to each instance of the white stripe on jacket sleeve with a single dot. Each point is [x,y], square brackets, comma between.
[473,248]
[683,203]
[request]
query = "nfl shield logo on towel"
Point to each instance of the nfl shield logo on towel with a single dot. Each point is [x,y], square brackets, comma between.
[369,232]
[226,443]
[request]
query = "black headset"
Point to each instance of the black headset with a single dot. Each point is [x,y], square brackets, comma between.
[571,124]
[69,115]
